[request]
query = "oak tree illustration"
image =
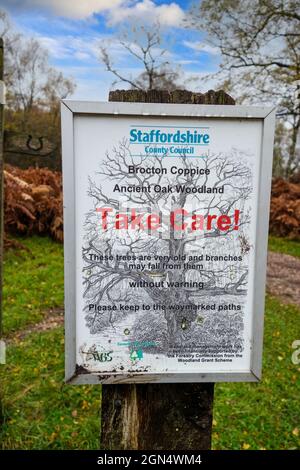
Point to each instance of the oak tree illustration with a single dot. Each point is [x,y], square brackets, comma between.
[161,268]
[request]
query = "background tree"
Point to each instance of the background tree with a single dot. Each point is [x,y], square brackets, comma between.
[34,88]
[144,45]
[56,88]
[260,45]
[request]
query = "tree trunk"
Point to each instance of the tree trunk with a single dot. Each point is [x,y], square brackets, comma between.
[293,148]
[159,416]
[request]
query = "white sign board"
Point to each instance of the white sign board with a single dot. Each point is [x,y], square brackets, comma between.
[166,224]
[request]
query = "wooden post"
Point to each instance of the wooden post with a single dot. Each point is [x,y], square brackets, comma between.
[159,416]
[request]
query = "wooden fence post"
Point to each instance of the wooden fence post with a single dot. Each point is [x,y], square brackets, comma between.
[159,416]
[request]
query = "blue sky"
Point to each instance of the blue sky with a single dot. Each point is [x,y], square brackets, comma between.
[71,30]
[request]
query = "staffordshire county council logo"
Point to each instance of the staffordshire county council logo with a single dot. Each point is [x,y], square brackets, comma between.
[168,141]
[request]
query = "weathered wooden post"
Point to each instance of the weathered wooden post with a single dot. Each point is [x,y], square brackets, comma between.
[159,416]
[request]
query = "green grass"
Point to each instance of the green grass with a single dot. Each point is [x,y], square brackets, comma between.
[264,415]
[283,245]
[33,282]
[38,410]
[41,412]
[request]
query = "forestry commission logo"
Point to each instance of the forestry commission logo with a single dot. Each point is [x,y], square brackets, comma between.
[136,355]
[168,141]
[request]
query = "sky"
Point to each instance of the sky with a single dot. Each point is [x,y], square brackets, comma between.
[71,31]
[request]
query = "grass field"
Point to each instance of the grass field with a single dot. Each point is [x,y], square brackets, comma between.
[33,283]
[264,415]
[40,412]
[285,246]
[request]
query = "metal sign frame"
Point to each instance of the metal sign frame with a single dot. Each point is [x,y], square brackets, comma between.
[266,115]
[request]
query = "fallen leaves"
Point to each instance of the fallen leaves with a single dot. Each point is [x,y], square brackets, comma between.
[285,209]
[85,405]
[53,436]
[33,202]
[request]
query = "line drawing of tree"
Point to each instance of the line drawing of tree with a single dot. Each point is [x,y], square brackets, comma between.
[106,278]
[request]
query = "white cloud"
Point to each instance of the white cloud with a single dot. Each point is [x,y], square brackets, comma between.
[68,47]
[87,49]
[77,9]
[201,47]
[147,11]
[80,55]
[115,11]
[170,15]
[186,61]
[56,48]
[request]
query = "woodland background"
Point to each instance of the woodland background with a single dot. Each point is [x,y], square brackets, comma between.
[259,44]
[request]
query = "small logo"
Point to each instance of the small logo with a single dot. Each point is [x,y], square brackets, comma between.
[93,354]
[136,355]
